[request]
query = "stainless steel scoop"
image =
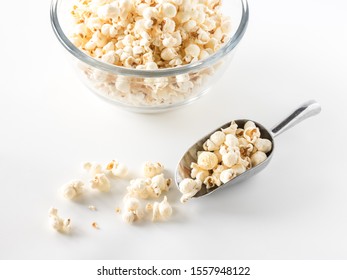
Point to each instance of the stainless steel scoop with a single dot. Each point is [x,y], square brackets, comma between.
[183,170]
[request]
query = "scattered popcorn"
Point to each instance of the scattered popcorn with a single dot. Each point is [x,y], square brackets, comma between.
[151,187]
[59,224]
[73,189]
[226,154]
[135,33]
[101,183]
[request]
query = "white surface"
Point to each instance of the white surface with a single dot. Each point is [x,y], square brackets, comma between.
[295,209]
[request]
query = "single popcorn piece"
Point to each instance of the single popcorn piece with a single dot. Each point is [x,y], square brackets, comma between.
[151,169]
[140,188]
[73,189]
[215,141]
[117,169]
[101,183]
[188,185]
[198,173]
[231,129]
[155,212]
[207,160]
[263,145]
[187,196]
[227,175]
[129,217]
[132,210]
[229,159]
[239,169]
[165,209]
[58,223]
[251,132]
[258,157]
[189,188]
[160,211]
[159,182]
[131,204]
[231,140]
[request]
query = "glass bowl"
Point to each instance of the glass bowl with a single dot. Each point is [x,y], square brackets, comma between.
[150,90]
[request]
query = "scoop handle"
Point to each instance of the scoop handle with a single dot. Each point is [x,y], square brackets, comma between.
[306,110]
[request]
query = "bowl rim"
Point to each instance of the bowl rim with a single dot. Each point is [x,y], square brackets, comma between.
[119,70]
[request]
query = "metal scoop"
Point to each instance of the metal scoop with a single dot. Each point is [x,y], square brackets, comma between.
[183,170]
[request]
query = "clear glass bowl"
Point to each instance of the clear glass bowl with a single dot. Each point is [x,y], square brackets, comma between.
[151,90]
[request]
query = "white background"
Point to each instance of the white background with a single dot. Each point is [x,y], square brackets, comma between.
[49,123]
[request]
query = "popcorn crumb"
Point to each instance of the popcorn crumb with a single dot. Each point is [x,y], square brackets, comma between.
[95,225]
[92,208]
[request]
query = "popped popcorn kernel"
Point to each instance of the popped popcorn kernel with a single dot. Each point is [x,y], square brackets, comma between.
[73,189]
[101,183]
[58,223]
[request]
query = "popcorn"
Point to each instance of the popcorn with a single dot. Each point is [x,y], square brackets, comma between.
[73,189]
[131,33]
[101,183]
[151,169]
[230,159]
[263,145]
[207,160]
[129,217]
[58,223]
[117,169]
[189,188]
[258,157]
[227,154]
[227,175]
[162,210]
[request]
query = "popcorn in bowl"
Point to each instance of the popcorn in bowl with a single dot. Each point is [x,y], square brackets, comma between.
[150,53]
